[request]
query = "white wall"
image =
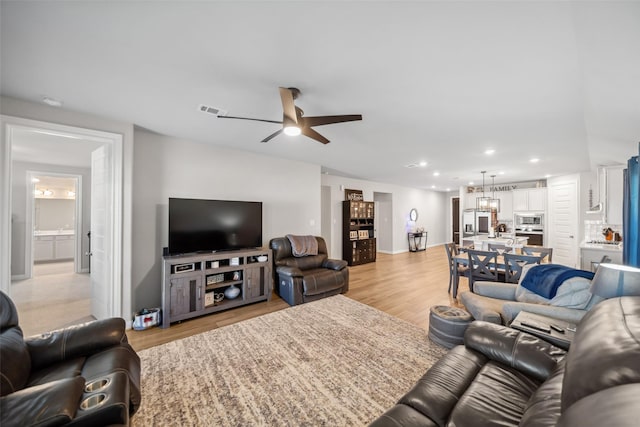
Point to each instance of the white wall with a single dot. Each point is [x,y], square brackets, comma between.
[431,206]
[171,167]
[19,209]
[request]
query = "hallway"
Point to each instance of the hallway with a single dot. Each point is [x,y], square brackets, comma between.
[54,297]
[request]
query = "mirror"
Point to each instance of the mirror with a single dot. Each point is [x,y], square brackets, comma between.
[413,215]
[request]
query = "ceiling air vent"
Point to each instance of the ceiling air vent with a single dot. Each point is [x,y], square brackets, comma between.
[212,110]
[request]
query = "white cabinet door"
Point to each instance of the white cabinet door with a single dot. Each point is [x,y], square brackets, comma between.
[531,199]
[537,199]
[43,248]
[506,206]
[469,200]
[520,200]
[64,247]
[615,181]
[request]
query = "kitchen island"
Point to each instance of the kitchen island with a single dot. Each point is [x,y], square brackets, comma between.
[481,242]
[592,252]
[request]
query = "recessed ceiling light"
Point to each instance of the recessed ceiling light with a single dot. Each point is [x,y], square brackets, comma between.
[433,186]
[470,182]
[35,180]
[423,163]
[448,189]
[547,176]
[489,152]
[436,173]
[51,101]
[534,160]
[501,173]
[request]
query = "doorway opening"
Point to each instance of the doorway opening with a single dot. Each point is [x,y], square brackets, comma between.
[54,226]
[383,222]
[31,145]
[455,220]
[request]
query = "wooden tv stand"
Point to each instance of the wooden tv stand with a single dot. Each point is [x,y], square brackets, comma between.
[191,282]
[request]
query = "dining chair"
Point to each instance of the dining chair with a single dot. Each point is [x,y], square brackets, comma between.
[454,279]
[514,263]
[498,247]
[483,266]
[540,251]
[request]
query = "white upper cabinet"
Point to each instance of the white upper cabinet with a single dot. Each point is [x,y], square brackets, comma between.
[506,205]
[615,183]
[530,199]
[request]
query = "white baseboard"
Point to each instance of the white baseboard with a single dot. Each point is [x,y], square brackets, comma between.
[19,277]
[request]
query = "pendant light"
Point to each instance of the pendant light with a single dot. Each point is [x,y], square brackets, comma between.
[482,203]
[494,204]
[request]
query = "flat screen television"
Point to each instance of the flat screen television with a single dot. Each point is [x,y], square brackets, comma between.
[199,225]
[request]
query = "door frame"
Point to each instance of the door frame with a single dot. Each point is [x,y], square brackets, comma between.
[30,221]
[9,125]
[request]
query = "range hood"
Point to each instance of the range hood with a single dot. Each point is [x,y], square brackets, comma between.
[601,183]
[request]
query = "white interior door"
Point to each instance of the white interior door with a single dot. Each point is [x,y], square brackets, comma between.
[563,226]
[101,231]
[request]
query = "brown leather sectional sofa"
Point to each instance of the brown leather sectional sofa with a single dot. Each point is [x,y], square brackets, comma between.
[85,375]
[503,377]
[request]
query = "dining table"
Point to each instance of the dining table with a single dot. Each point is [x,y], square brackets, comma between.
[462,259]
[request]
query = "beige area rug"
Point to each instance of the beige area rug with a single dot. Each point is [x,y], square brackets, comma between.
[333,362]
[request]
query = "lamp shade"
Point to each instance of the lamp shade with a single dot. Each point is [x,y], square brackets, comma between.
[614,280]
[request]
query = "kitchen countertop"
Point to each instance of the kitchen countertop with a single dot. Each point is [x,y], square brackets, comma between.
[602,246]
[54,233]
[499,240]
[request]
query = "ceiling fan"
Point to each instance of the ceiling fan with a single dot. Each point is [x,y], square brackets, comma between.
[293,122]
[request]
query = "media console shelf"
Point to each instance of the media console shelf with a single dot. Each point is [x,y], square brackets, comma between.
[194,285]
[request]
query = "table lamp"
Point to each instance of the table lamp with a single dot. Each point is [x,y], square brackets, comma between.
[615,280]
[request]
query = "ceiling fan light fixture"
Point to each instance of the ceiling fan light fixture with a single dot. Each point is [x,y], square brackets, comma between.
[292,130]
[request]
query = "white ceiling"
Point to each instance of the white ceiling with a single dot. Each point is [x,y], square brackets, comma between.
[435,81]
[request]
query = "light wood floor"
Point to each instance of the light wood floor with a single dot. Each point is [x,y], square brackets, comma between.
[403,285]
[55,297]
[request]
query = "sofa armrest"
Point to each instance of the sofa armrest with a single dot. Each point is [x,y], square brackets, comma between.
[334,264]
[289,271]
[51,404]
[505,291]
[75,341]
[572,315]
[526,353]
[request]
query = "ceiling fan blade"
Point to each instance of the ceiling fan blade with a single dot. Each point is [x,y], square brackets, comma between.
[327,120]
[273,135]
[288,108]
[249,118]
[307,131]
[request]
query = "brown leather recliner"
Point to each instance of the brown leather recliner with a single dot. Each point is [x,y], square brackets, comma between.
[300,279]
[84,375]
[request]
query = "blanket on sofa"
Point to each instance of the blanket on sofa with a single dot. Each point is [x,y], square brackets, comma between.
[545,279]
[303,245]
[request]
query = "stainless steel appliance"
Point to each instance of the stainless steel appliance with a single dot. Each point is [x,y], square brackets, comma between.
[475,222]
[530,225]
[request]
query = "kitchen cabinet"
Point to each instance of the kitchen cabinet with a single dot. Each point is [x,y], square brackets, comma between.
[43,248]
[469,200]
[506,206]
[615,182]
[53,247]
[591,256]
[530,199]
[64,247]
